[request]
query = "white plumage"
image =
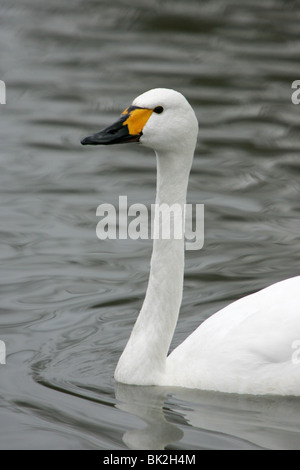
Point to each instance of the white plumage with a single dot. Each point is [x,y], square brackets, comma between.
[246,347]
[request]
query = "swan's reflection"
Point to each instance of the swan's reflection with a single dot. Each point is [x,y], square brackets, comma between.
[148,404]
[244,421]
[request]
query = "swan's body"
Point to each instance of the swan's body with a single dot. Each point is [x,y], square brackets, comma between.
[246,347]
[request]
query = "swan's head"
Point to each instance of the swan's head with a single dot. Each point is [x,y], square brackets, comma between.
[161,119]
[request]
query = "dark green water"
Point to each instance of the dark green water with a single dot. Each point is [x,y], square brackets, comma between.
[68,301]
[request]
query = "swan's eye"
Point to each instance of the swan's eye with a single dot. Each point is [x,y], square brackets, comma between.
[158,109]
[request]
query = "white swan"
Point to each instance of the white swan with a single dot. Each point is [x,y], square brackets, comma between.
[246,347]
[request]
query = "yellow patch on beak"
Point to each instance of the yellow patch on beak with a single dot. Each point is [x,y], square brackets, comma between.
[137,119]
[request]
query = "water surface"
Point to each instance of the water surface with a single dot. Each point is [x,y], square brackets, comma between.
[69,301]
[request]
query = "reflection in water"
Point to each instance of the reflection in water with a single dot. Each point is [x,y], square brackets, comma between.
[254,422]
[148,404]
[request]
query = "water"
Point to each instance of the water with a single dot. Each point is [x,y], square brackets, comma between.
[69,301]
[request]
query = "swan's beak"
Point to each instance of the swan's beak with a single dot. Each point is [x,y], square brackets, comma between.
[128,128]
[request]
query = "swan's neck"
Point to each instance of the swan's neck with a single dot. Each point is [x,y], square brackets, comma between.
[144,358]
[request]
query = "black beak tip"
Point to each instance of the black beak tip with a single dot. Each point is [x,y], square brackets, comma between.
[85,141]
[95,139]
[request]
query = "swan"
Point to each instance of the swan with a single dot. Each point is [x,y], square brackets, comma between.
[246,347]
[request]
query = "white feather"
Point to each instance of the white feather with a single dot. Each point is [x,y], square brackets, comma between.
[244,348]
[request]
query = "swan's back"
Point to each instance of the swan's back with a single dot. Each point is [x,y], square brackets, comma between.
[247,347]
